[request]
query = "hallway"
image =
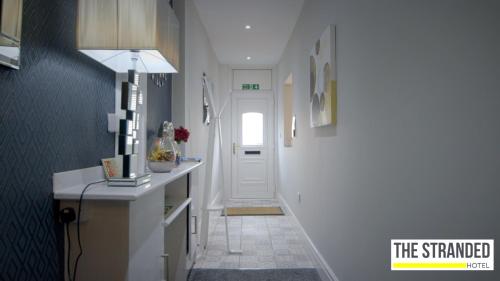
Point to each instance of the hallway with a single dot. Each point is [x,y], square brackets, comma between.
[127,125]
[267,242]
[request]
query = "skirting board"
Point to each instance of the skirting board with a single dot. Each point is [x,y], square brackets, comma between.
[326,273]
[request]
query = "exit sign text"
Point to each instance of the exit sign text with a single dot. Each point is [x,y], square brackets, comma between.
[250,86]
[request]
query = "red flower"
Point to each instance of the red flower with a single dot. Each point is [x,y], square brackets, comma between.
[181,134]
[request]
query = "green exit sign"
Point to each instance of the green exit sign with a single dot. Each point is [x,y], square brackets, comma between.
[250,86]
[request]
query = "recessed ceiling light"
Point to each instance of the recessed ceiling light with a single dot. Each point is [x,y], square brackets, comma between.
[249,58]
[248,26]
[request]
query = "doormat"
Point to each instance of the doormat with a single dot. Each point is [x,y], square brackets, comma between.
[254,211]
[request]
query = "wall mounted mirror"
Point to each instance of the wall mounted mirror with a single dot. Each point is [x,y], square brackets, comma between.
[206,112]
[10,32]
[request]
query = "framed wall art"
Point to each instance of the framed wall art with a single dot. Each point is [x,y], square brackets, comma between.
[323,80]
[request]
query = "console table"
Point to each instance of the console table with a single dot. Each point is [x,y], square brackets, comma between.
[130,233]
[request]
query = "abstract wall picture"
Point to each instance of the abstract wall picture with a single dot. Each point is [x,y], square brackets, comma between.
[323,80]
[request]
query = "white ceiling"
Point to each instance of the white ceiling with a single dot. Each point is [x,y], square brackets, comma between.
[272,23]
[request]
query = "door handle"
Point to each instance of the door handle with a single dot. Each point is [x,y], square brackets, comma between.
[234,148]
[166,270]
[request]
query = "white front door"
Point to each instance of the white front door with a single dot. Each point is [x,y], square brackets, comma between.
[253,144]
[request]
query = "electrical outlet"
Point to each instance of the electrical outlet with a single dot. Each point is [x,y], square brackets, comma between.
[67,215]
[299,198]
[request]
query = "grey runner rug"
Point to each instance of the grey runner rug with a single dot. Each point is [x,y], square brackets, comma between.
[288,274]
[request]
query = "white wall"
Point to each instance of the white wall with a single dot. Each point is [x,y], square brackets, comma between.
[416,152]
[179,79]
[198,57]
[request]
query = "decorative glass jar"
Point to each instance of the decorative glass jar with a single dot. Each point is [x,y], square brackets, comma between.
[163,153]
[178,154]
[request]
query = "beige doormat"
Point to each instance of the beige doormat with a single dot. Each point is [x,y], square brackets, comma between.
[254,211]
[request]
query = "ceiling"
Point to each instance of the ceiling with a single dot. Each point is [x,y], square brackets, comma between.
[271,21]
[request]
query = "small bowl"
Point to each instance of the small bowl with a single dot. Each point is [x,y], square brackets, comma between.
[161,166]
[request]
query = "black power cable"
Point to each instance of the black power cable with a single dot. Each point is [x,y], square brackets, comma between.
[68,237]
[75,269]
[66,216]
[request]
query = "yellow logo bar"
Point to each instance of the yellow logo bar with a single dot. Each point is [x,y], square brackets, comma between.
[424,265]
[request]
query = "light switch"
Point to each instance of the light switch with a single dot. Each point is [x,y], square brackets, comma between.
[112,123]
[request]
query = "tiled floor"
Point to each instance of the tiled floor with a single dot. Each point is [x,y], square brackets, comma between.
[266,241]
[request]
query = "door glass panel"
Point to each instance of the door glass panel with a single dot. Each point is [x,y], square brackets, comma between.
[252,128]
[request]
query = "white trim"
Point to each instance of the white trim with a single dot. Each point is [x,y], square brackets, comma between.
[326,273]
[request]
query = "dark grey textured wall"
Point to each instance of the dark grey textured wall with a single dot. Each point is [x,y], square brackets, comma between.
[159,106]
[52,118]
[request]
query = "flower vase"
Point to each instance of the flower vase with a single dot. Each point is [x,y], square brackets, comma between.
[178,154]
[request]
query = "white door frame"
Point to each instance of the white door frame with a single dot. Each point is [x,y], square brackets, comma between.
[271,134]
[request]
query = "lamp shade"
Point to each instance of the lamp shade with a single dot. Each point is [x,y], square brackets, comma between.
[112,32]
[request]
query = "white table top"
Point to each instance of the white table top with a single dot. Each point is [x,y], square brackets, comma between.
[102,191]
